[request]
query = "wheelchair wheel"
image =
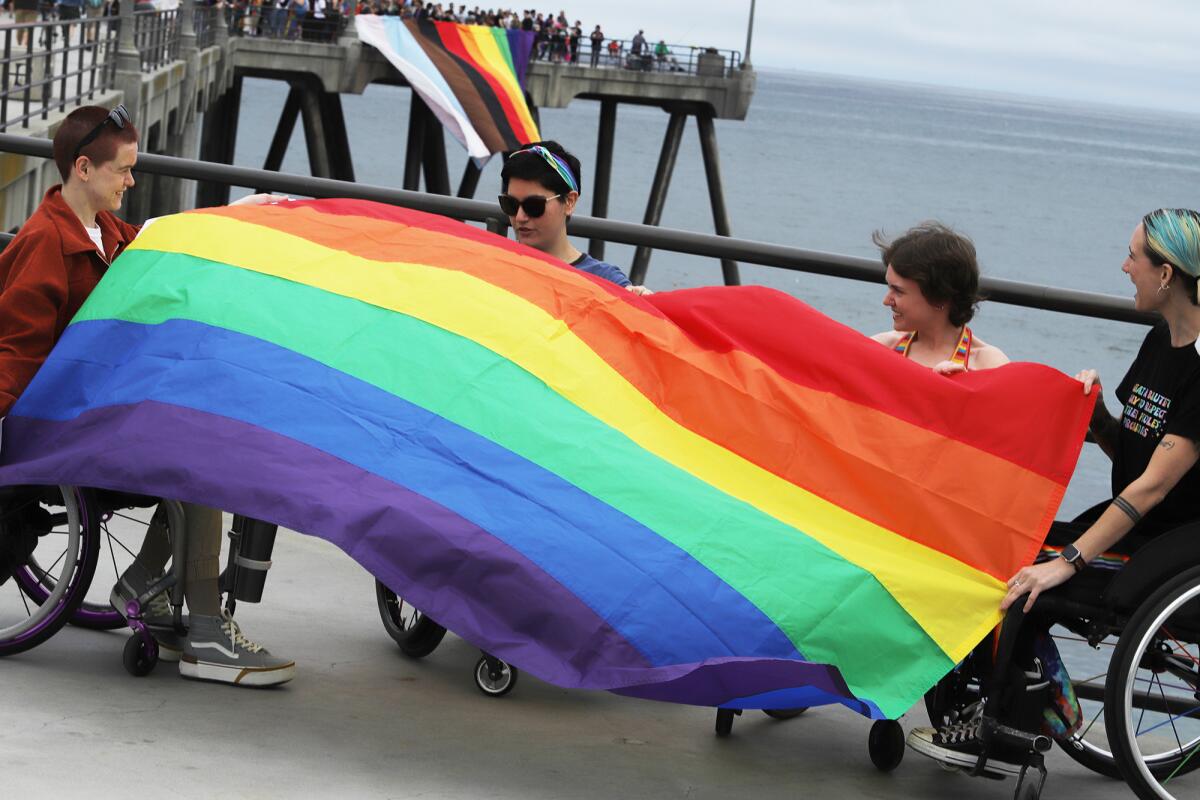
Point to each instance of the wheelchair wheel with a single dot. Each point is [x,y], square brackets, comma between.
[724,724]
[121,533]
[66,523]
[1152,701]
[885,744]
[494,677]
[140,655]
[416,634]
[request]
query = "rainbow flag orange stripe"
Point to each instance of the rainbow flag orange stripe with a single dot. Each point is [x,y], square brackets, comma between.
[677,497]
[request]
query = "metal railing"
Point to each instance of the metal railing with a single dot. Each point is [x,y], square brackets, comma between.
[1027,295]
[269,21]
[156,37]
[618,54]
[48,66]
[205,21]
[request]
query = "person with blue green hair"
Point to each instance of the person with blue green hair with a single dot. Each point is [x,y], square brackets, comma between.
[1154,443]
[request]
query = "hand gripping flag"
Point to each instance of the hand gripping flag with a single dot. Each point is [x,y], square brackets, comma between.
[711,496]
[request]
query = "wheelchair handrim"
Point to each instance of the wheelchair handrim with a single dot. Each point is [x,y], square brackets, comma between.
[46,613]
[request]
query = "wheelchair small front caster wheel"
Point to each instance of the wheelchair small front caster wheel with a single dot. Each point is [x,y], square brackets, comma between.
[784,713]
[886,744]
[725,720]
[494,677]
[140,655]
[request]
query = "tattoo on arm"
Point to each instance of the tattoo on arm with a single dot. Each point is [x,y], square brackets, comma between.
[1165,445]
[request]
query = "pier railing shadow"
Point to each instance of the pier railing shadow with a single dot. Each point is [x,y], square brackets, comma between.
[1016,293]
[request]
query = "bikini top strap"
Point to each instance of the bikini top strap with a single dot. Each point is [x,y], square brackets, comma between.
[962,354]
[905,342]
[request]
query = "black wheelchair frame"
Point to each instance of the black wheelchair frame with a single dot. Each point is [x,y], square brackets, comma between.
[1162,578]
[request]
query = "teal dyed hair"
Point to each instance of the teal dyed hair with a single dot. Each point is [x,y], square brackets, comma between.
[1173,236]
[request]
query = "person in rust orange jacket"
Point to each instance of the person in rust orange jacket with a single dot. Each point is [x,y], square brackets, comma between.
[46,273]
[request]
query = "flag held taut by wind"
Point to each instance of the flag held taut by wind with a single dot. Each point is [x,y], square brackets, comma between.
[713,496]
[471,76]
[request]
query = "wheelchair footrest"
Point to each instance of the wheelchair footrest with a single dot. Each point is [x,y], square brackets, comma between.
[993,732]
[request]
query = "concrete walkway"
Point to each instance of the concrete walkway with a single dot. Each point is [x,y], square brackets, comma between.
[361,720]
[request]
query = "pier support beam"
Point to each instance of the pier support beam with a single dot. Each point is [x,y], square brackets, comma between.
[218,140]
[658,190]
[437,174]
[470,179]
[414,149]
[283,130]
[604,157]
[716,193]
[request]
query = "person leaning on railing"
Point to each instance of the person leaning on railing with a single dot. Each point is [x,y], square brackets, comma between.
[46,273]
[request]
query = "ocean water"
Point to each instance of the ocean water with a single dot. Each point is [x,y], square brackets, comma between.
[1049,190]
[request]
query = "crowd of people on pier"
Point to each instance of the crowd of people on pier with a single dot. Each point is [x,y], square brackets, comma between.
[557,40]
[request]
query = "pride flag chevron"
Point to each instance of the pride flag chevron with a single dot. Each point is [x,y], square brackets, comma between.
[470,76]
[713,496]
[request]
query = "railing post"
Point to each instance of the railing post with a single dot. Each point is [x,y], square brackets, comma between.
[129,63]
[348,33]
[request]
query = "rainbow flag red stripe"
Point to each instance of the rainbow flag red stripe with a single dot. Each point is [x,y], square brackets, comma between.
[678,497]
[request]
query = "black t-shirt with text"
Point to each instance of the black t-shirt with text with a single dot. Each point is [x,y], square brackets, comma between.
[1160,395]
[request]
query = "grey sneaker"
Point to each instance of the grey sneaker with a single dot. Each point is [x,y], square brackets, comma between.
[216,650]
[158,614]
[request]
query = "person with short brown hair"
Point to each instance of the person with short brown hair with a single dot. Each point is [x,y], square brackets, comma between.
[46,273]
[933,290]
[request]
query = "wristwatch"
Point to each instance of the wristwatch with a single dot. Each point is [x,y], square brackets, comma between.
[1072,556]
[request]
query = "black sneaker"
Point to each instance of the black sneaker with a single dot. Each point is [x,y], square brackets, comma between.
[958,745]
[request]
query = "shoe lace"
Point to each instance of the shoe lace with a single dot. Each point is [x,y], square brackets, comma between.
[959,732]
[160,606]
[236,637]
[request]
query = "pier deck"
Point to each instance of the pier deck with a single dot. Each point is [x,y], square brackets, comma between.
[362,721]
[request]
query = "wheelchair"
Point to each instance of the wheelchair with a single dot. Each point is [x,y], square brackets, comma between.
[417,635]
[1139,697]
[63,547]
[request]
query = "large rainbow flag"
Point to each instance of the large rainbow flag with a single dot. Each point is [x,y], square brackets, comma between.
[471,76]
[713,496]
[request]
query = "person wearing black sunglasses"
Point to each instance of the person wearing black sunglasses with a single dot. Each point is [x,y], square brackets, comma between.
[46,273]
[541,186]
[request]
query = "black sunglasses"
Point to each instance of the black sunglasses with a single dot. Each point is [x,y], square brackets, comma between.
[534,205]
[118,116]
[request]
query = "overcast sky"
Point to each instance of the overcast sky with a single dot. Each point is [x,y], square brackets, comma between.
[1137,52]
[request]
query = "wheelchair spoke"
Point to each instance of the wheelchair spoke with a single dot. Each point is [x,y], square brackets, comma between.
[1083,733]
[61,556]
[1171,719]
[1180,648]
[1183,763]
[24,600]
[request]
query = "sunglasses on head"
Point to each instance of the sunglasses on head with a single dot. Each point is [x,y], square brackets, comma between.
[118,116]
[534,205]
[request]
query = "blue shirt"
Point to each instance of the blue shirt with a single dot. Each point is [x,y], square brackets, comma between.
[601,269]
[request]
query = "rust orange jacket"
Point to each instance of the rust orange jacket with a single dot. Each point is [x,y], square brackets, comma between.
[46,273]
